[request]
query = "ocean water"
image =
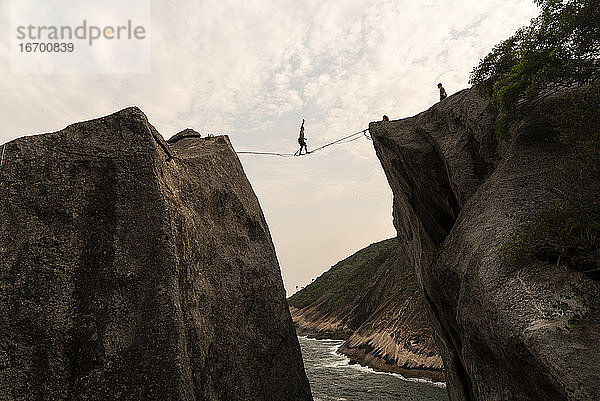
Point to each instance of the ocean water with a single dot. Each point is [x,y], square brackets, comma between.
[332,378]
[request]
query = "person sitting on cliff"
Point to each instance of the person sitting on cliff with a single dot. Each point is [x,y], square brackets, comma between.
[302,141]
[386,118]
[443,94]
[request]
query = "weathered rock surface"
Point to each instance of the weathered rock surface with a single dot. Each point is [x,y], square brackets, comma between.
[397,339]
[457,198]
[385,325]
[136,269]
[315,321]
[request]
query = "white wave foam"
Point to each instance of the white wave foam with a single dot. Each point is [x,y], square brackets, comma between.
[367,369]
[344,362]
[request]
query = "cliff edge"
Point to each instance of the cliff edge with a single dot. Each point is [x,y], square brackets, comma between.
[133,268]
[502,326]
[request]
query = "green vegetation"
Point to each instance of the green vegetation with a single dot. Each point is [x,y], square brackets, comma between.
[347,280]
[562,235]
[559,50]
[406,283]
[578,125]
[570,231]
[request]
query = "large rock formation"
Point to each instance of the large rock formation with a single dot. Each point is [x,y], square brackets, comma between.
[371,299]
[136,269]
[502,326]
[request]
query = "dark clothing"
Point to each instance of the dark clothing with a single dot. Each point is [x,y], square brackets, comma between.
[443,94]
[302,144]
[301,140]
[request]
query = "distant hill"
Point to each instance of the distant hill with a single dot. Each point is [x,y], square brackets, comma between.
[347,280]
[372,301]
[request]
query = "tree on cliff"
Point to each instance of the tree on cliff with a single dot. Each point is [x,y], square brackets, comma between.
[559,49]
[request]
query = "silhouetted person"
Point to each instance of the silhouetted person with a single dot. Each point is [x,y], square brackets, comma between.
[301,140]
[443,94]
[385,118]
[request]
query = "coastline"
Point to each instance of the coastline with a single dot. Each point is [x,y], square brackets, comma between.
[314,323]
[365,358]
[409,375]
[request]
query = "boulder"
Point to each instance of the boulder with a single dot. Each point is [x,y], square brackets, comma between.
[136,269]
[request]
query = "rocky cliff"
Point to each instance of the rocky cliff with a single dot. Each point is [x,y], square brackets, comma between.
[371,300]
[137,269]
[502,326]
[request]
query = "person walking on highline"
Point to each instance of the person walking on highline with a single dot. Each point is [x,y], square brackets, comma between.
[443,94]
[302,141]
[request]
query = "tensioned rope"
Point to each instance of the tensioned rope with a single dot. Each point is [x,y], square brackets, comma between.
[346,139]
[247,152]
[363,132]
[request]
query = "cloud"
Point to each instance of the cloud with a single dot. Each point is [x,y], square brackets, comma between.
[219,64]
[255,68]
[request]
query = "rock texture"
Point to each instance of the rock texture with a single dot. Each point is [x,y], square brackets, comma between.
[385,324]
[136,269]
[315,321]
[502,326]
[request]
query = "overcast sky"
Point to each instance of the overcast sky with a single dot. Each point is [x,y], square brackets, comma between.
[254,69]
